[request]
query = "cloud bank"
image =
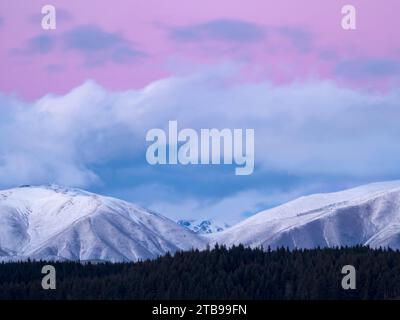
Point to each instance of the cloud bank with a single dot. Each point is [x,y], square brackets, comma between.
[96,45]
[92,138]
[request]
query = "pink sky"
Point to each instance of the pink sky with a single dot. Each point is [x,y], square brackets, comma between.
[301,39]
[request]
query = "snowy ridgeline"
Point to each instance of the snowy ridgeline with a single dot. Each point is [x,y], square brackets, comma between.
[56,223]
[203,226]
[52,222]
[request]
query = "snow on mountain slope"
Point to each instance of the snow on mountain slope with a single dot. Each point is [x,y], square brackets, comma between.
[368,215]
[56,223]
[201,226]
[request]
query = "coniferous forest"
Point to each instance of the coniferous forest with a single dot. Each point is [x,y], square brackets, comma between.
[220,273]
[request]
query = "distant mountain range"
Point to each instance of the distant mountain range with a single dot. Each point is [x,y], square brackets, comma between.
[203,226]
[55,223]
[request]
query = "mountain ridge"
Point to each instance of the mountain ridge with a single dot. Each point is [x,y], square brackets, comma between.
[56,223]
[349,217]
[203,226]
[52,222]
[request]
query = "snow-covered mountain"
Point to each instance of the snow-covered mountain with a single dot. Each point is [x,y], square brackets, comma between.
[57,223]
[201,226]
[367,215]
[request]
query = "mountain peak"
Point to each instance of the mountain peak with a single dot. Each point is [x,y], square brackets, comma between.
[52,222]
[365,215]
[205,226]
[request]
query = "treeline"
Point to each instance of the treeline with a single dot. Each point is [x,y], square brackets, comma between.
[220,273]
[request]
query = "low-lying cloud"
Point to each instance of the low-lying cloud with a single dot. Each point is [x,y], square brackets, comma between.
[311,129]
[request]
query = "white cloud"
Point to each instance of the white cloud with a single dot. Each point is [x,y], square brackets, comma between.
[309,128]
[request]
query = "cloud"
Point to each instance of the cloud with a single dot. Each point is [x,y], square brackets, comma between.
[306,134]
[96,45]
[125,54]
[232,36]
[300,38]
[91,39]
[373,67]
[220,30]
[41,44]
[99,46]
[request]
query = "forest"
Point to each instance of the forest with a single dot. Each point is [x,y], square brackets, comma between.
[217,273]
